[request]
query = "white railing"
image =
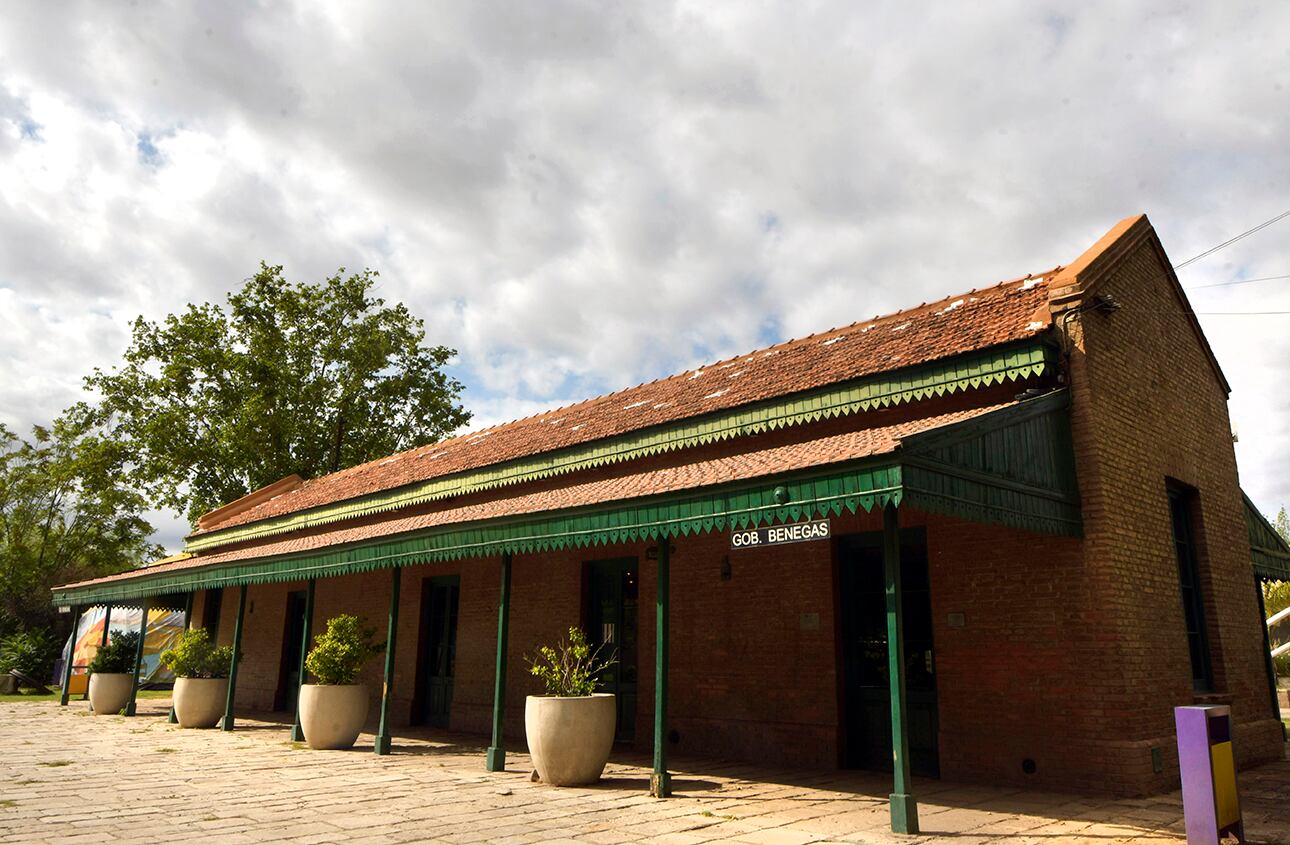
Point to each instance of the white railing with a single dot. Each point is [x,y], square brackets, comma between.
[1277,617]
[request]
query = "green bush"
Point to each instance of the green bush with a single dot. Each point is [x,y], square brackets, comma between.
[340,652]
[30,652]
[117,657]
[1282,662]
[571,668]
[195,656]
[1276,596]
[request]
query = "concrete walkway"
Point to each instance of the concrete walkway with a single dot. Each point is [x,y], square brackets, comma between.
[66,776]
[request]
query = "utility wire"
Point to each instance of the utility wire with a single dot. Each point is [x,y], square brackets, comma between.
[1235,313]
[1230,241]
[1237,282]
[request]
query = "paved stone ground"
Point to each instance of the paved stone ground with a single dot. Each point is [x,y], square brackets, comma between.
[67,777]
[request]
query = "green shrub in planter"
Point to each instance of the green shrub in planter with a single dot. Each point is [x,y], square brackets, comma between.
[571,668]
[30,652]
[117,657]
[340,652]
[195,656]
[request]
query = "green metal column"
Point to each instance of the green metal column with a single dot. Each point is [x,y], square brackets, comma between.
[188,620]
[904,809]
[383,730]
[107,625]
[138,659]
[71,657]
[496,761]
[297,733]
[237,658]
[660,782]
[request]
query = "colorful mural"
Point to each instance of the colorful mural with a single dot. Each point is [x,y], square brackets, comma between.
[164,626]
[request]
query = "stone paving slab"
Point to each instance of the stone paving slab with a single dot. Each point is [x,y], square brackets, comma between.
[70,777]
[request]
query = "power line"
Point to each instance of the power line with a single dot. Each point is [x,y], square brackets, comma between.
[1235,313]
[1230,241]
[1237,282]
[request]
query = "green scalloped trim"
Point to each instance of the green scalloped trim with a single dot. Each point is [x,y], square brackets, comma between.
[960,373]
[862,487]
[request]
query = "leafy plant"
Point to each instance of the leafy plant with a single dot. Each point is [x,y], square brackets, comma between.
[195,656]
[117,657]
[31,653]
[570,668]
[340,652]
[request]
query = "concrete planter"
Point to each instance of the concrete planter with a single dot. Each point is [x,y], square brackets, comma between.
[570,738]
[200,702]
[110,692]
[332,716]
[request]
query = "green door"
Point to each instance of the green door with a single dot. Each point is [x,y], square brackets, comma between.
[866,695]
[436,651]
[612,588]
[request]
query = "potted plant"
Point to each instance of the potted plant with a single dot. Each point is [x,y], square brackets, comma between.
[333,709]
[201,678]
[112,673]
[570,730]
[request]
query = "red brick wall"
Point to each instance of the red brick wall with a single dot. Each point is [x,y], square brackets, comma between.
[1146,406]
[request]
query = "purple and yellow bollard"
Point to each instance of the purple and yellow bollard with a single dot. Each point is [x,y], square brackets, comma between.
[1211,805]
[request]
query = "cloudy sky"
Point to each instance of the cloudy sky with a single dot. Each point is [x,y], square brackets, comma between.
[579,200]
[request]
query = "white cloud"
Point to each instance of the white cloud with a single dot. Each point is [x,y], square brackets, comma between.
[581,199]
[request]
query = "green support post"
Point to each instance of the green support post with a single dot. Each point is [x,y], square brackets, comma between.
[188,619]
[71,657]
[904,809]
[496,761]
[107,626]
[660,782]
[297,733]
[382,746]
[138,659]
[237,657]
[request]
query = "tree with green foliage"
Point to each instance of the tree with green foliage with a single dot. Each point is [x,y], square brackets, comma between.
[66,514]
[291,378]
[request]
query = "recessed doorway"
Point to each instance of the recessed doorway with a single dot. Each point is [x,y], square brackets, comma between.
[865,723]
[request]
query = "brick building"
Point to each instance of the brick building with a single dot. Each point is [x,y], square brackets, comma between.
[1046,463]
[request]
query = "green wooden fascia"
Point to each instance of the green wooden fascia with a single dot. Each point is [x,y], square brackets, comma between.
[1269,551]
[986,367]
[864,485]
[1014,466]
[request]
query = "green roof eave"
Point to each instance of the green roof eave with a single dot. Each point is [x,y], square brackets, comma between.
[986,367]
[927,473]
[862,486]
[1269,551]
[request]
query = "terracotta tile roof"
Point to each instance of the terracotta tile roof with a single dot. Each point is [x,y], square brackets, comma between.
[822,451]
[1007,312]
